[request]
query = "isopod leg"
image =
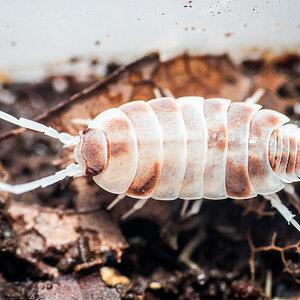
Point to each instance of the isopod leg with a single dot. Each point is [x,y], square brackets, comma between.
[160,93]
[184,208]
[157,93]
[168,93]
[116,201]
[195,208]
[255,97]
[190,247]
[276,202]
[137,206]
[290,189]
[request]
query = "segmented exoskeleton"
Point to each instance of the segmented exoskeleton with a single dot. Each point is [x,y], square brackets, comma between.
[188,148]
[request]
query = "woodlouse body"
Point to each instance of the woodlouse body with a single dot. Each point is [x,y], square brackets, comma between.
[189,148]
[186,148]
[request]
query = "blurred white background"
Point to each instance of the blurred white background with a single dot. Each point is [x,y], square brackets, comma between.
[41,36]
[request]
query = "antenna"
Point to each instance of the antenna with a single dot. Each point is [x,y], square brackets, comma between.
[72,170]
[65,138]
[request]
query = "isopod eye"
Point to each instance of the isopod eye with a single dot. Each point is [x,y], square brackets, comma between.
[92,151]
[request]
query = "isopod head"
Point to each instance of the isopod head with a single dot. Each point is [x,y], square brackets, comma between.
[91,153]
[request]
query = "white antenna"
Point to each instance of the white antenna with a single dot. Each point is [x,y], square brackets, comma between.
[65,138]
[72,170]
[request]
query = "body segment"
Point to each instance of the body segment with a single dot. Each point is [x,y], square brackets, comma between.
[192,148]
[192,109]
[238,183]
[150,148]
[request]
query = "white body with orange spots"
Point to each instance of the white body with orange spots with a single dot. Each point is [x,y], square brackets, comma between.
[191,148]
[186,148]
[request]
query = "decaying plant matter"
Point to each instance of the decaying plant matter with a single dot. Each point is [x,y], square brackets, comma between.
[42,233]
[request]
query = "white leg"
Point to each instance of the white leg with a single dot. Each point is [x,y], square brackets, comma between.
[184,208]
[138,205]
[190,247]
[168,93]
[255,97]
[116,201]
[276,202]
[195,208]
[290,189]
[86,122]
[157,93]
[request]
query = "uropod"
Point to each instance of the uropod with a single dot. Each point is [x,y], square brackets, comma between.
[187,148]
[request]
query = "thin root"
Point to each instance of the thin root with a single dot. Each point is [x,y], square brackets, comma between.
[272,247]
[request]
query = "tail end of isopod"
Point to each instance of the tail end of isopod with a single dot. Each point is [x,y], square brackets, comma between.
[72,170]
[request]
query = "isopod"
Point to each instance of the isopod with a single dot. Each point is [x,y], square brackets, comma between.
[188,148]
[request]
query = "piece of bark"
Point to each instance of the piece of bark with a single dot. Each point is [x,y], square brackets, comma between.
[37,235]
[64,288]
